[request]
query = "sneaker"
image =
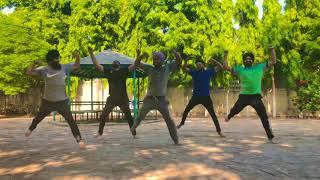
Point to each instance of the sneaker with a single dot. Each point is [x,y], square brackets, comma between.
[82,144]
[98,136]
[28,133]
[176,141]
[133,129]
[273,141]
[221,135]
[226,119]
[133,132]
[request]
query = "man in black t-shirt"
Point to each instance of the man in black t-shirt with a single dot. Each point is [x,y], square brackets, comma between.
[117,91]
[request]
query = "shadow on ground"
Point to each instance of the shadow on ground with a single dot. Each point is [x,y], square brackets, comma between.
[52,153]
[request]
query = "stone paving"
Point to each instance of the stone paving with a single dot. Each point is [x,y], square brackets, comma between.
[51,152]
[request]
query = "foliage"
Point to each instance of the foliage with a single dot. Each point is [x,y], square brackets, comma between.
[195,28]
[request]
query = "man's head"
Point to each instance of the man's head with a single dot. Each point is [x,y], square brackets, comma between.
[200,64]
[248,59]
[115,65]
[158,58]
[53,59]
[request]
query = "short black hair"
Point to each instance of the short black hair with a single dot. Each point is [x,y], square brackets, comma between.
[246,55]
[116,61]
[52,55]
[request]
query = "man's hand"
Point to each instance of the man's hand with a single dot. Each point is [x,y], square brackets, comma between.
[141,56]
[177,56]
[271,47]
[144,55]
[76,54]
[272,61]
[138,52]
[98,66]
[37,63]
[90,50]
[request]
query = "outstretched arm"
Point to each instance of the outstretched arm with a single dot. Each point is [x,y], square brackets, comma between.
[31,70]
[272,61]
[98,66]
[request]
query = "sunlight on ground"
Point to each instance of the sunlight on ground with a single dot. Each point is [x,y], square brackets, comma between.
[187,171]
[78,177]
[148,152]
[32,168]
[11,153]
[221,157]
[286,145]
[255,151]
[253,142]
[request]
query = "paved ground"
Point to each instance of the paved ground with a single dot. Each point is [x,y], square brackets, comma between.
[52,153]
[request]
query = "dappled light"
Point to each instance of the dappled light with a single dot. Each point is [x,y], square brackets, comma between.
[188,171]
[79,177]
[52,153]
[10,153]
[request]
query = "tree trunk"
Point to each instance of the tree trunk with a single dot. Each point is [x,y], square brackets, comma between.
[274,110]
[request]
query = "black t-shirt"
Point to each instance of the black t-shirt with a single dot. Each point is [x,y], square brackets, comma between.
[117,83]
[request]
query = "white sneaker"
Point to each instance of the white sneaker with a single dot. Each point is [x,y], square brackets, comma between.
[274,141]
[28,133]
[98,136]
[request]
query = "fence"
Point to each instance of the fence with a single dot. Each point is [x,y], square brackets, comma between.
[223,100]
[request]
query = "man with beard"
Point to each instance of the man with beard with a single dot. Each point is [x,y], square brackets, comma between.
[117,78]
[201,77]
[157,89]
[55,97]
[250,76]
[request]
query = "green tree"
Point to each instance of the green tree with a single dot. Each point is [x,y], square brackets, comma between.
[20,46]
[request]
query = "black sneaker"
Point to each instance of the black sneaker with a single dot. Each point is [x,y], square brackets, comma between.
[221,135]
[133,131]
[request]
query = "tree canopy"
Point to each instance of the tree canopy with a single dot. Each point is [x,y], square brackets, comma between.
[196,28]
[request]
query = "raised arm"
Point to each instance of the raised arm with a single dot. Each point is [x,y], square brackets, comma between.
[178,57]
[185,66]
[98,66]
[214,61]
[272,61]
[225,62]
[137,63]
[76,64]
[226,67]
